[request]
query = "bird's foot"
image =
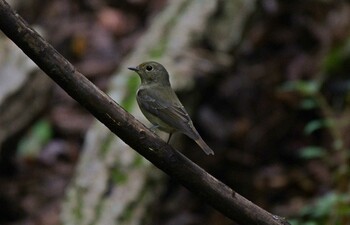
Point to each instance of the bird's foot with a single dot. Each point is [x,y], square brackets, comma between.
[154,128]
[169,138]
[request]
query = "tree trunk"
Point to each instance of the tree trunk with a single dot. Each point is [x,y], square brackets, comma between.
[21,83]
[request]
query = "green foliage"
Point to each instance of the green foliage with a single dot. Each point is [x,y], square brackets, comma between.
[306,88]
[139,161]
[334,204]
[159,49]
[35,139]
[129,101]
[337,57]
[314,125]
[308,104]
[118,176]
[334,207]
[311,152]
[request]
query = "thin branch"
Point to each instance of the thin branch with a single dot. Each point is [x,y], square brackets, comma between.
[131,131]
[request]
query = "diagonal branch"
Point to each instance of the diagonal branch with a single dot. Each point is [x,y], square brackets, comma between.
[128,128]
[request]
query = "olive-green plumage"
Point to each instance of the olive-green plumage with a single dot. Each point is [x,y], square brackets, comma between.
[160,105]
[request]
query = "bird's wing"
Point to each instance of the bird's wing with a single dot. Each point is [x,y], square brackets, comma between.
[167,107]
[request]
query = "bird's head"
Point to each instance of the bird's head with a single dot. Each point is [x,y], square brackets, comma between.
[152,73]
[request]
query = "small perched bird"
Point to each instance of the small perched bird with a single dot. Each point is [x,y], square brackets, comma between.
[160,105]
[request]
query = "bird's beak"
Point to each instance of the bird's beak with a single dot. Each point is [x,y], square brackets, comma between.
[133,69]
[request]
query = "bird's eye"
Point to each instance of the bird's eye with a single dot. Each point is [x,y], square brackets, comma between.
[149,68]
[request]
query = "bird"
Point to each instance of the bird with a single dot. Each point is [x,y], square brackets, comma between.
[160,104]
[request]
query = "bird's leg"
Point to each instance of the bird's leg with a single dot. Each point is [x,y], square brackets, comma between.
[154,127]
[170,134]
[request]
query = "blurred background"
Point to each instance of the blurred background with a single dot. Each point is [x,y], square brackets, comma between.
[266,83]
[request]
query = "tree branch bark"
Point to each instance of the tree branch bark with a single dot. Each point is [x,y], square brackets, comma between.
[128,128]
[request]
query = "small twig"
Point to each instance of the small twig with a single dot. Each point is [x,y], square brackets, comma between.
[128,128]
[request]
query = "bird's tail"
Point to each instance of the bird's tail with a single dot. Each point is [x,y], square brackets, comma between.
[204,146]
